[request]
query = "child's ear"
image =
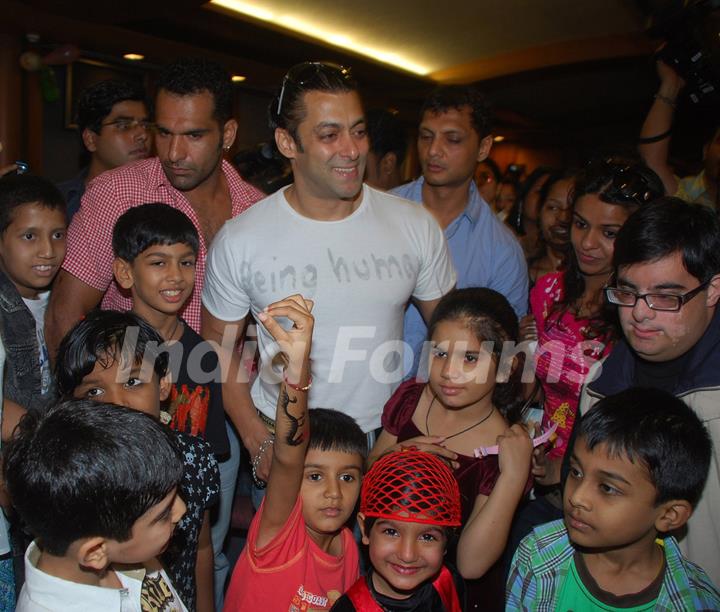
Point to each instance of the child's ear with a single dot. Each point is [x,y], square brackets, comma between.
[122,270]
[93,553]
[365,537]
[165,386]
[672,515]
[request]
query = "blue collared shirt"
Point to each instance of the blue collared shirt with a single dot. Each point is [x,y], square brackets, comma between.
[485,254]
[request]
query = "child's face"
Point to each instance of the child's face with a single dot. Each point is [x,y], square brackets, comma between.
[330,488]
[162,278]
[32,248]
[151,532]
[609,502]
[461,372]
[137,388]
[403,554]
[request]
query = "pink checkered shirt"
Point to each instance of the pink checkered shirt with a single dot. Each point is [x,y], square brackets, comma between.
[89,241]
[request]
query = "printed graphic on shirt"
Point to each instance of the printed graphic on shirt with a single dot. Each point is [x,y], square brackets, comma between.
[156,595]
[305,601]
[189,409]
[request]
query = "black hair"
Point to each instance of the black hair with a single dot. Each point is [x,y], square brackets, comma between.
[86,469]
[600,177]
[670,225]
[493,167]
[153,224]
[515,218]
[554,176]
[20,189]
[189,76]
[332,430]
[264,167]
[321,76]
[490,317]
[606,179]
[660,431]
[96,101]
[386,134]
[455,97]
[107,337]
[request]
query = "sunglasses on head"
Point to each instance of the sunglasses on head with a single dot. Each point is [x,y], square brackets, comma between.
[302,74]
[628,183]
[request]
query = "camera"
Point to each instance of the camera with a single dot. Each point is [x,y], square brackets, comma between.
[692,48]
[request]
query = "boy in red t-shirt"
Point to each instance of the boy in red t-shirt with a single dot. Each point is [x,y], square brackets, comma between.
[299,554]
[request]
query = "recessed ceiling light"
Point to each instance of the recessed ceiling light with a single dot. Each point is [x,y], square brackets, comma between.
[499,138]
[134,57]
[238,78]
[319,31]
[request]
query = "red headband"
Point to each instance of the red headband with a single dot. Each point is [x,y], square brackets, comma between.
[411,486]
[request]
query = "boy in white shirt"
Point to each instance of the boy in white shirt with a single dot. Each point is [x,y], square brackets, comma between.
[96,485]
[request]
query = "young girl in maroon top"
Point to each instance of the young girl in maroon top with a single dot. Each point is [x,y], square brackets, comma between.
[472,399]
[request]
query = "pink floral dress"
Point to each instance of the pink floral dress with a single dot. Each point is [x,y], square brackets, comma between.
[563,357]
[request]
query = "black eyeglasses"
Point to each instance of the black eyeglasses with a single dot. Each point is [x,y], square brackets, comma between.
[670,302]
[301,74]
[125,125]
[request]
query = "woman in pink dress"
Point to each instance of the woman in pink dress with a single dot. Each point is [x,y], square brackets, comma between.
[570,321]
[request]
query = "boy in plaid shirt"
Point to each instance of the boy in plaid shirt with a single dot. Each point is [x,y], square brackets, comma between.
[639,466]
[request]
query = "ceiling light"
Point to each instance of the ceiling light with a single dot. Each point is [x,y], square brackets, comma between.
[134,57]
[320,31]
[238,78]
[245,8]
[499,138]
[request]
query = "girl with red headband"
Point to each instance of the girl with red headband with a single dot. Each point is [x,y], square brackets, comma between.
[409,505]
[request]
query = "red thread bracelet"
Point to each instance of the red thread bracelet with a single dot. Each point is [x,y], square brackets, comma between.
[298,387]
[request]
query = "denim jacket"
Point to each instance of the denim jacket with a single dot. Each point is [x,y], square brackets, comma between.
[22,382]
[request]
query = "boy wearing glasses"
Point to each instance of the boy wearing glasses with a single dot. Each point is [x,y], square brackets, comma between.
[114,124]
[667,262]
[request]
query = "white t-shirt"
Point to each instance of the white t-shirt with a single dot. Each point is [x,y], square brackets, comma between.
[360,272]
[37,308]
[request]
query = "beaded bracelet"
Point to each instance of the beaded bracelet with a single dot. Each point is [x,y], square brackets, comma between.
[266,443]
[298,387]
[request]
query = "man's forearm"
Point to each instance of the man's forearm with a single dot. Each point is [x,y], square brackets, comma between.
[656,128]
[70,300]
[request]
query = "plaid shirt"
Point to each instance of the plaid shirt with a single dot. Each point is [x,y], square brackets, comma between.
[542,563]
[89,241]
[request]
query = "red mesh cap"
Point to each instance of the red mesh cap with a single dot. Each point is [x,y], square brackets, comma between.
[414,486]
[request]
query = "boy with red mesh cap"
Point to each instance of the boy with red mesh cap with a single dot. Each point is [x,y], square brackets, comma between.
[409,505]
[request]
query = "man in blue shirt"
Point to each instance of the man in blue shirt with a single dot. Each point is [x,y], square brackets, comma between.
[453,138]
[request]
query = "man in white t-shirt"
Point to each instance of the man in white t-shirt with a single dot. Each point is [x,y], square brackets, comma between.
[358,253]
